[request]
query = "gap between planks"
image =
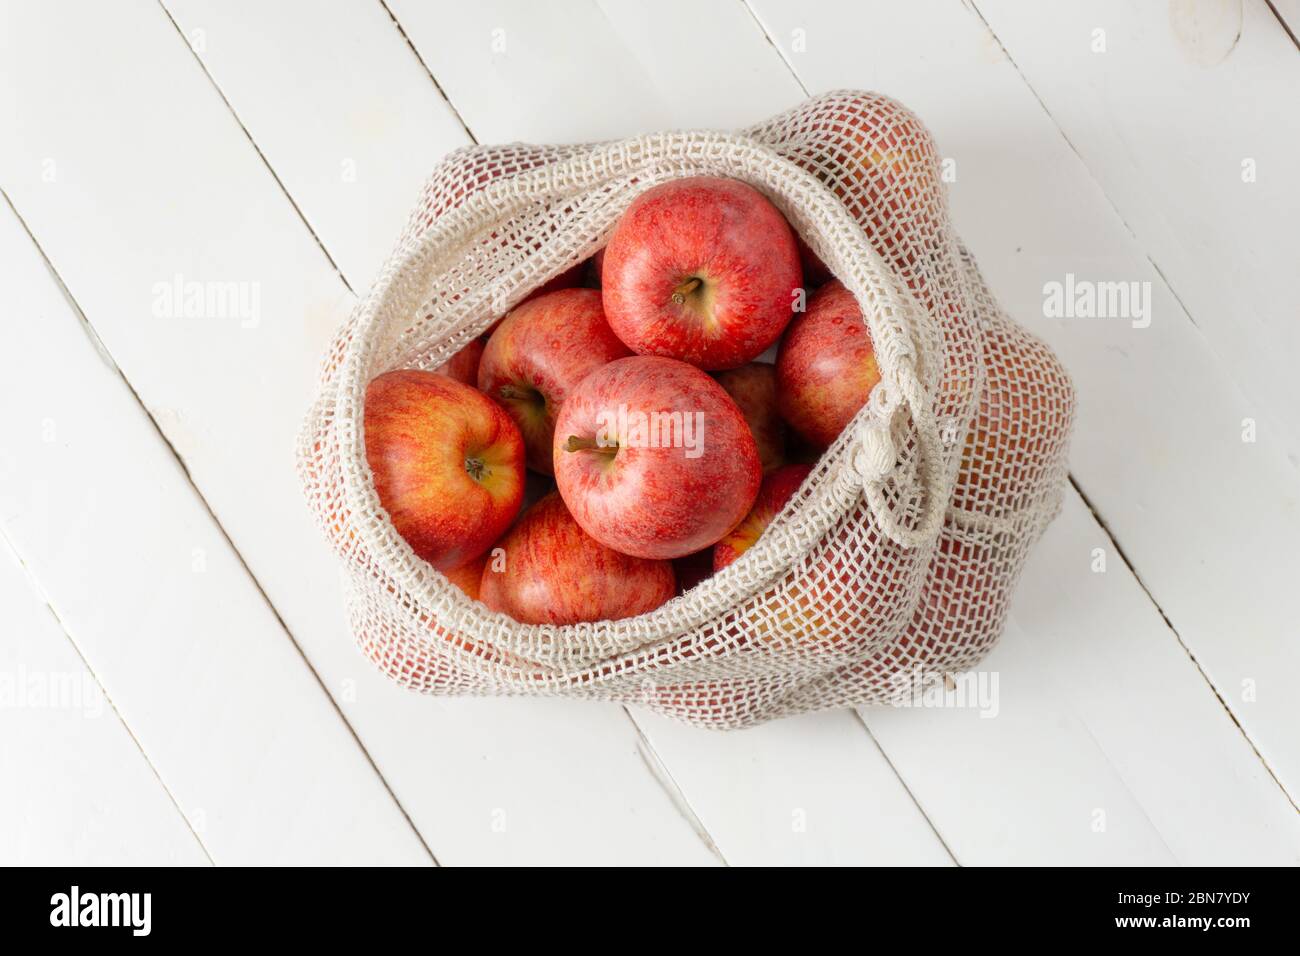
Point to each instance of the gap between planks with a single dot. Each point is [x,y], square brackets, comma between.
[664,777]
[650,757]
[1182,306]
[442,94]
[260,155]
[776,47]
[665,780]
[970,4]
[30,575]
[862,722]
[102,350]
[1124,558]
[36,586]
[1286,27]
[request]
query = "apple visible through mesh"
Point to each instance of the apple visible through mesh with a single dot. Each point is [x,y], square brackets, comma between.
[898,555]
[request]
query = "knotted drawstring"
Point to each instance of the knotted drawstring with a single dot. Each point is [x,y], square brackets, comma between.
[874,458]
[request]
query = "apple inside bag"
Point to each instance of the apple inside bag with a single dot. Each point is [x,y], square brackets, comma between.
[787,452]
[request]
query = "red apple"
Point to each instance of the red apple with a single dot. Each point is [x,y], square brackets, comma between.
[654,459]
[410,664]
[556,573]
[463,366]
[448,464]
[753,388]
[778,488]
[457,181]
[703,270]
[826,367]
[891,175]
[542,350]
[823,604]
[961,608]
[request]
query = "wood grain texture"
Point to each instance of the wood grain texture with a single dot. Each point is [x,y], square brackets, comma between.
[857,770]
[76,789]
[151,168]
[278,147]
[336,104]
[1159,430]
[163,611]
[547,63]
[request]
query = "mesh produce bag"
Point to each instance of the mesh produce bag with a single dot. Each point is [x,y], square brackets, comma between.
[894,563]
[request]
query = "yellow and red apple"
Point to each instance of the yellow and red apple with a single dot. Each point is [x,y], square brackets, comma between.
[448,464]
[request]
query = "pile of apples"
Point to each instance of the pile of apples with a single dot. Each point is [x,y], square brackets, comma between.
[613,440]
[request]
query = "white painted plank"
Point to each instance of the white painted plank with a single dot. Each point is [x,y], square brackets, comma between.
[527,708]
[618,69]
[75,790]
[1288,13]
[1197,154]
[339,106]
[1145,703]
[602,70]
[1106,747]
[153,178]
[1158,442]
[1025,787]
[849,772]
[752,832]
[806,791]
[162,610]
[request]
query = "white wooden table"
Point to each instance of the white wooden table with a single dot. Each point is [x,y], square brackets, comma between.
[177,684]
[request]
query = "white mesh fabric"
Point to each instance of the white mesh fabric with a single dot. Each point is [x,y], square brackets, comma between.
[901,549]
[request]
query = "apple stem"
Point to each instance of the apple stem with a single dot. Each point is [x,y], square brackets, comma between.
[589,444]
[512,394]
[685,289]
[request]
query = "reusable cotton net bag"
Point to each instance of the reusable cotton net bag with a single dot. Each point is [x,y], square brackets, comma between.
[894,563]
